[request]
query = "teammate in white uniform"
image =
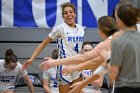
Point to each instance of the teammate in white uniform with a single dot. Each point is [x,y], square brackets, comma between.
[69,36]
[10,69]
[50,81]
[49,77]
[94,86]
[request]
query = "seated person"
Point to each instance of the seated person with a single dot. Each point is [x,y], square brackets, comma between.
[9,70]
[49,77]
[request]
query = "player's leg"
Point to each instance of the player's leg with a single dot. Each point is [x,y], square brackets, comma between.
[64,88]
[9,91]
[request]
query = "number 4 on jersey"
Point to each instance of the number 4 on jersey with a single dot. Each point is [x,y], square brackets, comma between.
[76,48]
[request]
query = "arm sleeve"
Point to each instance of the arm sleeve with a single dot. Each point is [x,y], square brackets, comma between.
[100,70]
[116,54]
[56,32]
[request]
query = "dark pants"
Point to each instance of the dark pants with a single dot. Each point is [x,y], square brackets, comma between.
[127,90]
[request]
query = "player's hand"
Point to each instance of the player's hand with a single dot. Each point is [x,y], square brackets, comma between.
[26,64]
[76,87]
[48,63]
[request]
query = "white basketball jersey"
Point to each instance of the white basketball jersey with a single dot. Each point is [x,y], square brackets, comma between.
[50,74]
[8,77]
[69,39]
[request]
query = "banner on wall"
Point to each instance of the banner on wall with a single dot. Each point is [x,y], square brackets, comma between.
[47,13]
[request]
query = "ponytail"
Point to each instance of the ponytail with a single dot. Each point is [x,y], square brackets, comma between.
[10,56]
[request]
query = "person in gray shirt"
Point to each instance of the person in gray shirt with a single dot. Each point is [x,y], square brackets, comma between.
[125,56]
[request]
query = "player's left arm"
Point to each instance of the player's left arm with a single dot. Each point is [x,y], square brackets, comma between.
[29,83]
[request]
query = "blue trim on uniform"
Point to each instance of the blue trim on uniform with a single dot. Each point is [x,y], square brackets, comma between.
[57,73]
[62,76]
[81,75]
[62,48]
[13,87]
[62,55]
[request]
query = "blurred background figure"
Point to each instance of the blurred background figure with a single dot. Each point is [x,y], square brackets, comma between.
[95,85]
[49,77]
[9,71]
